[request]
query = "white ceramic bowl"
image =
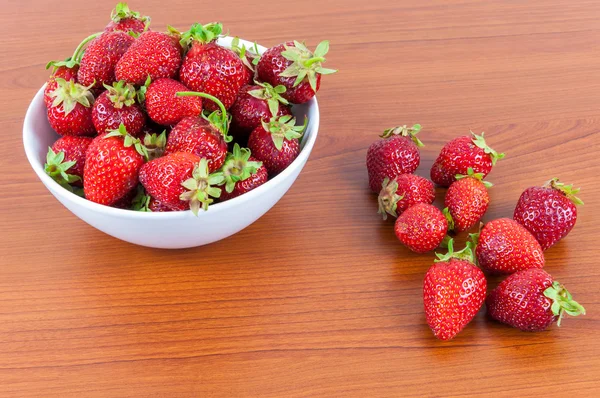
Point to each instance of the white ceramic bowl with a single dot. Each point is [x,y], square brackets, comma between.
[172,230]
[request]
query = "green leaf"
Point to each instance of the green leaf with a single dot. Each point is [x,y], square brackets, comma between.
[322,48]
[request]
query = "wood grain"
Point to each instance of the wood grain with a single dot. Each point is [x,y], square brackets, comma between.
[317,298]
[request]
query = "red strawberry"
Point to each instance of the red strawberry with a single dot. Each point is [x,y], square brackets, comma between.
[71,110]
[115,106]
[294,66]
[112,165]
[165,107]
[461,153]
[153,54]
[181,181]
[531,300]
[127,201]
[275,143]
[505,246]
[255,104]
[421,227]
[548,212]
[210,68]
[466,201]
[125,20]
[157,207]
[101,57]
[72,160]
[60,71]
[397,153]
[453,292]
[402,192]
[242,173]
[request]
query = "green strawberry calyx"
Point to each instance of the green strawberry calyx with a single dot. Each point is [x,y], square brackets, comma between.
[566,190]
[141,92]
[270,94]
[479,142]
[306,64]
[202,34]
[122,11]
[238,167]
[121,94]
[464,254]
[57,168]
[388,198]
[248,57]
[141,202]
[129,140]
[284,128]
[219,119]
[451,223]
[405,131]
[69,94]
[477,176]
[562,302]
[155,144]
[201,188]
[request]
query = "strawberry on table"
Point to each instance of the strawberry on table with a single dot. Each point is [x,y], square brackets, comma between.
[421,227]
[165,107]
[71,110]
[101,56]
[531,300]
[118,105]
[73,151]
[403,192]
[466,201]
[242,173]
[125,20]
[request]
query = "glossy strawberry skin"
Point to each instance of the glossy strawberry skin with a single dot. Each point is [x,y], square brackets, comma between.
[215,70]
[272,64]
[519,301]
[111,170]
[157,207]
[547,213]
[456,157]
[78,122]
[62,72]
[107,117]
[126,202]
[505,246]
[101,57]
[391,157]
[241,187]
[467,200]
[421,227]
[413,189]
[195,135]
[165,108]
[162,178]
[263,148]
[453,293]
[126,25]
[153,53]
[74,149]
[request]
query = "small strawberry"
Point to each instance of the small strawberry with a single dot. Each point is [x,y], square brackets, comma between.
[255,104]
[397,153]
[117,105]
[62,71]
[275,143]
[466,201]
[453,292]
[165,107]
[112,166]
[402,192]
[125,20]
[531,300]
[181,181]
[73,150]
[294,66]
[242,173]
[153,54]
[210,68]
[71,110]
[548,212]
[101,57]
[421,227]
[461,153]
[505,246]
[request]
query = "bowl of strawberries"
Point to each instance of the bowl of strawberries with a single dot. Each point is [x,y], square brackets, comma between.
[174,139]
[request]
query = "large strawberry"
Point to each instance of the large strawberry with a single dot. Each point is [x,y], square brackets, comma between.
[112,166]
[71,110]
[181,181]
[466,201]
[66,159]
[275,142]
[397,153]
[294,66]
[153,54]
[101,57]
[531,300]
[505,246]
[242,173]
[402,192]
[548,212]
[125,20]
[453,292]
[165,107]
[210,68]
[461,153]
[118,105]
[421,227]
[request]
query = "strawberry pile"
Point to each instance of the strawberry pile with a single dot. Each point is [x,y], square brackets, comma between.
[173,121]
[455,287]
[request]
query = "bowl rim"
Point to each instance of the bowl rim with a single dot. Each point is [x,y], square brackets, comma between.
[307,143]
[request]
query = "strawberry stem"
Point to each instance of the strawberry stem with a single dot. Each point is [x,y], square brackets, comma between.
[78,53]
[220,122]
[562,302]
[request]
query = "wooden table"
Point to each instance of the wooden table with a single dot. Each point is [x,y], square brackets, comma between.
[317,298]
